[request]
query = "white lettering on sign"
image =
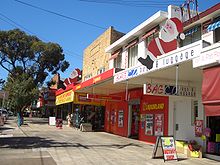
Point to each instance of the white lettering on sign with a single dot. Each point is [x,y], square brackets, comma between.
[207,58]
[161,89]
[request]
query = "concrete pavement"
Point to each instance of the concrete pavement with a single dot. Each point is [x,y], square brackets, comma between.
[38,143]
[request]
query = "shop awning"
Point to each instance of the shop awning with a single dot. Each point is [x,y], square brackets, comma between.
[115,54]
[213,26]
[212,110]
[211,91]
[210,86]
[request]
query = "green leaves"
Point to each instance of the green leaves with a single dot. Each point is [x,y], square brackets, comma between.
[28,61]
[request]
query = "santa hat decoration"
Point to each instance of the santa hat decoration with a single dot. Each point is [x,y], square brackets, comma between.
[179,27]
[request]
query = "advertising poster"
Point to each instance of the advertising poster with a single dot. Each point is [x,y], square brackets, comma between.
[158,125]
[169,148]
[198,128]
[149,124]
[120,118]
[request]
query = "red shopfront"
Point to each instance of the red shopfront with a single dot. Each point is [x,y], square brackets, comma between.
[143,117]
[154,118]
[211,101]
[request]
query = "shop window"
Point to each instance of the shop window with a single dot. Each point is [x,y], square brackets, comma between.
[117,61]
[217,30]
[191,36]
[151,37]
[194,111]
[100,70]
[87,77]
[132,55]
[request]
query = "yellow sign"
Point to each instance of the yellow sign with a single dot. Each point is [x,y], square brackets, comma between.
[149,107]
[96,79]
[65,97]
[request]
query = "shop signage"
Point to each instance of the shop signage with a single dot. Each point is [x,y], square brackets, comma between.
[167,60]
[165,147]
[163,89]
[198,128]
[169,149]
[149,124]
[207,58]
[150,107]
[103,97]
[65,97]
[158,124]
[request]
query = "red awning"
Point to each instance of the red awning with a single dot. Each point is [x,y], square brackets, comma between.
[211,85]
[212,110]
[132,43]
[150,32]
[211,91]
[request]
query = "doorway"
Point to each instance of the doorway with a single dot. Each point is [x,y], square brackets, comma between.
[133,125]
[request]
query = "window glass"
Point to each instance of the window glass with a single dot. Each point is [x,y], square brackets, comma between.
[117,61]
[132,55]
[191,36]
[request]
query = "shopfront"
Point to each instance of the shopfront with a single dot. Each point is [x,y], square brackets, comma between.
[211,101]
[154,117]
[86,110]
[64,104]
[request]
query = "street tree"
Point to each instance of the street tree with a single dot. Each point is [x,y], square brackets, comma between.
[28,61]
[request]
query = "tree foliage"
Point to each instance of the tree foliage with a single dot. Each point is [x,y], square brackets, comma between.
[22,91]
[28,61]
[22,53]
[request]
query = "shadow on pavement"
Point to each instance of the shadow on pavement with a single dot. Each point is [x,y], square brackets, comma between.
[38,142]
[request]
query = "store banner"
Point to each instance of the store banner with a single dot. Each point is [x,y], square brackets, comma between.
[208,58]
[165,89]
[65,97]
[172,58]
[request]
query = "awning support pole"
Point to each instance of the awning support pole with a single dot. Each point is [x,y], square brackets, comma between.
[177,77]
[126,91]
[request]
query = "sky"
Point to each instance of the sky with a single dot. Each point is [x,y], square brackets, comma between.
[75,24]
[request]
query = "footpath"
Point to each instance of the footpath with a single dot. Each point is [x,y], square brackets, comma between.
[41,144]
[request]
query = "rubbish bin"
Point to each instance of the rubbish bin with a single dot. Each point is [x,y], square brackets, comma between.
[59,123]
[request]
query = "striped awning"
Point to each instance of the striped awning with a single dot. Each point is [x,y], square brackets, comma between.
[213,26]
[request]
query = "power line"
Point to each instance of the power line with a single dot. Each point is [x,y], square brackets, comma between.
[16,25]
[155,4]
[60,15]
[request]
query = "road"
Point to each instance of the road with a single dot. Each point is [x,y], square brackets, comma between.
[37,143]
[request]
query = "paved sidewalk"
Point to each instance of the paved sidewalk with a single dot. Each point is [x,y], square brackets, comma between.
[39,143]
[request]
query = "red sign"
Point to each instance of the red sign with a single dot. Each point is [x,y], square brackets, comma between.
[169,149]
[198,128]
[103,97]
